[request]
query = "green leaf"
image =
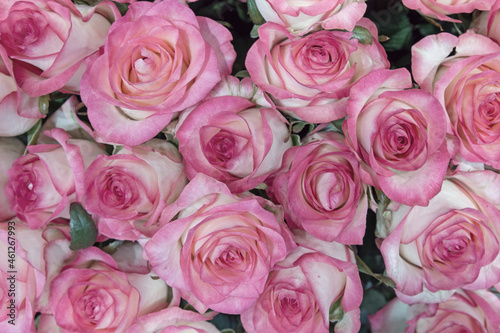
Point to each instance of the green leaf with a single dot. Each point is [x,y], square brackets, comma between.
[338,124]
[83,231]
[255,31]
[336,311]
[363,268]
[399,40]
[116,149]
[363,35]
[399,32]
[298,126]
[33,135]
[295,140]
[254,13]
[242,74]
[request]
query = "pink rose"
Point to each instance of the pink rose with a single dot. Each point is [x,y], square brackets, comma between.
[309,77]
[302,17]
[48,41]
[128,191]
[92,294]
[173,320]
[158,59]
[320,190]
[399,135]
[452,243]
[44,182]
[466,84]
[10,150]
[301,289]
[221,247]
[234,141]
[19,112]
[487,23]
[439,9]
[21,276]
[232,86]
[465,311]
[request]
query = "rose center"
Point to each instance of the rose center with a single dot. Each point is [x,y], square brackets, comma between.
[400,140]
[320,55]
[22,29]
[90,306]
[221,148]
[117,191]
[25,32]
[144,65]
[23,184]
[230,257]
[489,112]
[329,191]
[289,305]
[455,247]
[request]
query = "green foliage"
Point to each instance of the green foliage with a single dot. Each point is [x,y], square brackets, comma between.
[83,230]
[362,34]
[33,135]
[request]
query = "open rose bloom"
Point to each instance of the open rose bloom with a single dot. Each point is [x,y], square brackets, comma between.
[157,60]
[234,141]
[452,243]
[441,8]
[470,311]
[28,280]
[221,248]
[19,111]
[267,166]
[398,135]
[320,190]
[299,294]
[127,191]
[309,77]
[43,40]
[302,17]
[95,292]
[488,23]
[43,183]
[467,85]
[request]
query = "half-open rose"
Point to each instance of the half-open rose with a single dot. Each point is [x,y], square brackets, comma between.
[301,291]
[320,189]
[309,77]
[221,248]
[93,292]
[467,84]
[48,41]
[234,141]
[302,17]
[157,60]
[399,135]
[44,182]
[127,191]
[452,243]
[465,311]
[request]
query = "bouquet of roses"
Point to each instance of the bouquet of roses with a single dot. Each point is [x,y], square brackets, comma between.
[229,166]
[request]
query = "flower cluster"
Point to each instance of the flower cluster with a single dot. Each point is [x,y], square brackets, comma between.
[156,178]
